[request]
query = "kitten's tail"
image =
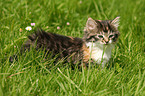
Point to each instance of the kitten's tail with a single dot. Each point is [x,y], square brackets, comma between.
[38,34]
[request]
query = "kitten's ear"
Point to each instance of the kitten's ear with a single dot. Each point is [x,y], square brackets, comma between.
[91,24]
[115,22]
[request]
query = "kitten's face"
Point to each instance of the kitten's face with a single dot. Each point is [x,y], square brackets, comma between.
[102,31]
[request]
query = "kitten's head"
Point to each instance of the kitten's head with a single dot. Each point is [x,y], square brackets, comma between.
[102,31]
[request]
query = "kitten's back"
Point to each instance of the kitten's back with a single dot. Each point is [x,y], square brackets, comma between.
[57,44]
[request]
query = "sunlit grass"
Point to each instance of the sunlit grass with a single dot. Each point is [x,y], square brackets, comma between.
[33,75]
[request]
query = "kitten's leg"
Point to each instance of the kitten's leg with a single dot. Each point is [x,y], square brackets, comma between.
[12,58]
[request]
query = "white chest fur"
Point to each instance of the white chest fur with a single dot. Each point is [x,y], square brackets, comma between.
[99,52]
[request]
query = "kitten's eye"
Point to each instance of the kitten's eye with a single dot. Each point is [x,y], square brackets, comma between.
[116,35]
[100,36]
[111,36]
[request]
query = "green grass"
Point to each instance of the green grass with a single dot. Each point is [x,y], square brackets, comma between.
[125,74]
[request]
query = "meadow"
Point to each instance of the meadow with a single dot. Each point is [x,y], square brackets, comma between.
[124,75]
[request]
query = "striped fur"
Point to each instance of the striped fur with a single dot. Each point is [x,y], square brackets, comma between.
[98,35]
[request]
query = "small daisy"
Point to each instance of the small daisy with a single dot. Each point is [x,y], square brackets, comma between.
[58,27]
[67,23]
[80,2]
[28,28]
[32,24]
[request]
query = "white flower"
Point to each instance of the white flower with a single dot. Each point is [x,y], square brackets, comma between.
[28,28]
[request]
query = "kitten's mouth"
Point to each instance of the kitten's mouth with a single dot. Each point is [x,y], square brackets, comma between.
[106,43]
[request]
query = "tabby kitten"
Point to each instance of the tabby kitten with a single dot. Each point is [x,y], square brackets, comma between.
[96,45]
[100,37]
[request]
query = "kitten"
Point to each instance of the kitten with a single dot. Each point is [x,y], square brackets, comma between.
[96,45]
[100,37]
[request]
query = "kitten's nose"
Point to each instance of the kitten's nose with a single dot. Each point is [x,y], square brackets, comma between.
[106,42]
[106,39]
